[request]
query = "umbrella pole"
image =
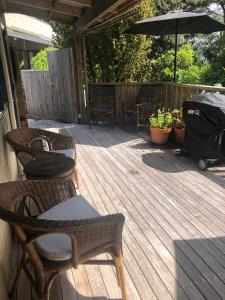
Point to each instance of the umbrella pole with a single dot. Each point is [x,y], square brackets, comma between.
[175,55]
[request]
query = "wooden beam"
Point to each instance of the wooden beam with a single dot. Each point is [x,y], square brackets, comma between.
[87,3]
[45,5]
[91,15]
[38,13]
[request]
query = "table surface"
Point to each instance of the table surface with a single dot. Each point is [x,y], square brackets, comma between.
[50,166]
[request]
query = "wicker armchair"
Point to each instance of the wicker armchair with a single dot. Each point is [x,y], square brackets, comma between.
[21,142]
[87,237]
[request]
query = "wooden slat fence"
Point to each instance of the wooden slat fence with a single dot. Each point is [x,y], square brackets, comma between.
[169,95]
[38,93]
[174,94]
[52,94]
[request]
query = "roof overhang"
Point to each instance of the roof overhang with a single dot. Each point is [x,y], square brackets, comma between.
[28,37]
[84,14]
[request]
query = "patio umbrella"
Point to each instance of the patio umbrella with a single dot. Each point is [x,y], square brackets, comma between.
[177,22]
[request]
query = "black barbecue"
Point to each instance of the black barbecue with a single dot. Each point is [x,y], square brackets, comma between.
[204,118]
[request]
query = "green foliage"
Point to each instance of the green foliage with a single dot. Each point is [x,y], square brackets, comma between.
[178,121]
[63,35]
[216,70]
[163,119]
[209,47]
[111,54]
[116,57]
[40,60]
[189,67]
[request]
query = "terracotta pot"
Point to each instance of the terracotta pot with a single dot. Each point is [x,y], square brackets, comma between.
[160,136]
[179,135]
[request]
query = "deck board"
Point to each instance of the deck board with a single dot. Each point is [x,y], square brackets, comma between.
[174,235]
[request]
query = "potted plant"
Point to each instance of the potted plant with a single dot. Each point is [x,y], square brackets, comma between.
[161,127]
[178,126]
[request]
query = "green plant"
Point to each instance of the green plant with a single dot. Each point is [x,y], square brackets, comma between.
[190,69]
[178,121]
[40,60]
[163,119]
[112,55]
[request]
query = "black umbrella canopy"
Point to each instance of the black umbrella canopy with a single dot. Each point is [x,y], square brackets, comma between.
[179,22]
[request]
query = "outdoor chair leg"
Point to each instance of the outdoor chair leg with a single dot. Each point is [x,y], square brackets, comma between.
[123,119]
[14,285]
[20,269]
[48,286]
[120,275]
[113,120]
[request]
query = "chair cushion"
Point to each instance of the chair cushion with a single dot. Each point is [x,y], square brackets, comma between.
[57,247]
[102,109]
[71,153]
[131,110]
[39,143]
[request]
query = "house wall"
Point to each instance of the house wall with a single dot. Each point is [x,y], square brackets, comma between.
[8,172]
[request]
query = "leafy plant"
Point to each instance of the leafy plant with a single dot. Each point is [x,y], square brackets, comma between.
[112,55]
[40,60]
[189,67]
[163,119]
[178,121]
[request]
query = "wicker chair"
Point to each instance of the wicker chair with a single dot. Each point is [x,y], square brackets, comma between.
[87,237]
[21,142]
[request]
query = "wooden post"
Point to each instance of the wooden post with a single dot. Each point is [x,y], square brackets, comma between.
[7,81]
[19,89]
[85,72]
[78,76]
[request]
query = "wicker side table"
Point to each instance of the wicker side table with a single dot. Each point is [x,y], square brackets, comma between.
[57,166]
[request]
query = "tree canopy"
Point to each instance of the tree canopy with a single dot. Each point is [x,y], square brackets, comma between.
[111,54]
[116,57]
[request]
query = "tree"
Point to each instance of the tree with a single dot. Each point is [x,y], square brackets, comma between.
[120,57]
[63,34]
[216,71]
[189,67]
[111,54]
[40,60]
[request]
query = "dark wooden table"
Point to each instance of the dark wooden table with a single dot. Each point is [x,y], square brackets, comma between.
[56,166]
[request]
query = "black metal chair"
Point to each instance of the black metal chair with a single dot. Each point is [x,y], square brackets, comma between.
[102,104]
[145,105]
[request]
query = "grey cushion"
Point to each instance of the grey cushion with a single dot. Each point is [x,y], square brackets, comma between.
[39,143]
[58,246]
[67,152]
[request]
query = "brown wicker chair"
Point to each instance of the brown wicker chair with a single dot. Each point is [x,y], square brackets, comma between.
[21,141]
[89,237]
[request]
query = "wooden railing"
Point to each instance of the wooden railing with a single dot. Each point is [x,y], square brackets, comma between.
[169,95]
[174,94]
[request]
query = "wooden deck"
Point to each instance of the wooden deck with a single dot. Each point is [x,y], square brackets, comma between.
[174,236]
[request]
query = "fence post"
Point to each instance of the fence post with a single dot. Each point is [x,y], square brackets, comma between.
[77,47]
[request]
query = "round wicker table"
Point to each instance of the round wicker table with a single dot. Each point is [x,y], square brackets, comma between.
[56,166]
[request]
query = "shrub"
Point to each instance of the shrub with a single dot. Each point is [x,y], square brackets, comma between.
[163,119]
[40,60]
[178,121]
